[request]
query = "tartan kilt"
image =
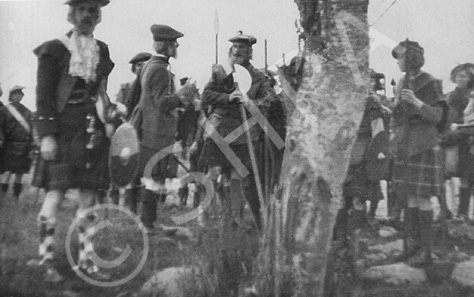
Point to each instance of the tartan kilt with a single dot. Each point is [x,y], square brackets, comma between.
[75,166]
[165,168]
[357,184]
[420,175]
[212,155]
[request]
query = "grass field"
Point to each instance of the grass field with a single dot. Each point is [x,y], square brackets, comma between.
[19,241]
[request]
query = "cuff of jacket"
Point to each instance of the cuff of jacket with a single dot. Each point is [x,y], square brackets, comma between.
[172,102]
[46,126]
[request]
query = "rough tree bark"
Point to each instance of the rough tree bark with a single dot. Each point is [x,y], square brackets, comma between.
[329,106]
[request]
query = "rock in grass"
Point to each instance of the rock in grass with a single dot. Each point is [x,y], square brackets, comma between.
[388,248]
[397,274]
[387,231]
[464,274]
[174,282]
[375,258]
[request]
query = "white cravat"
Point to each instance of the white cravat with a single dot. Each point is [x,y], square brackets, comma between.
[84,56]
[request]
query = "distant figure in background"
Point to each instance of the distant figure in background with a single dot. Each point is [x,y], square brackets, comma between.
[188,127]
[460,141]
[17,142]
[123,96]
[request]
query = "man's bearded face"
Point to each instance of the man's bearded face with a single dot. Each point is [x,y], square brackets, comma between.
[240,53]
[86,16]
[173,49]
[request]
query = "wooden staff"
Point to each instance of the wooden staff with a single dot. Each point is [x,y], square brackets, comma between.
[216,32]
[253,160]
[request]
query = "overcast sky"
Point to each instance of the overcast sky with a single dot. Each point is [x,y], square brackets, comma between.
[442,28]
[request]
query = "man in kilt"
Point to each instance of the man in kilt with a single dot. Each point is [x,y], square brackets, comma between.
[71,81]
[158,107]
[418,115]
[18,142]
[223,98]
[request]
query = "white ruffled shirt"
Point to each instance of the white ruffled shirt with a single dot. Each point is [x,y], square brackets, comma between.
[84,56]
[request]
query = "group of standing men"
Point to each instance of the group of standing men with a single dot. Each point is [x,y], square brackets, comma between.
[74,130]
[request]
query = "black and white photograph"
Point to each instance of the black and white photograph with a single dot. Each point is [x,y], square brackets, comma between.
[223,148]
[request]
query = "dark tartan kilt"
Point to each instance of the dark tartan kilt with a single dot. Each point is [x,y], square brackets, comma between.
[75,166]
[357,184]
[421,175]
[212,155]
[165,168]
[16,158]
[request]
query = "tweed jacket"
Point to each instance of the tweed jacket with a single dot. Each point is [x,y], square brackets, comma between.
[54,84]
[157,104]
[227,116]
[417,130]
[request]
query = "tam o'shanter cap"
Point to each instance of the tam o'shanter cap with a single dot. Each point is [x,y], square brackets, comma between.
[140,57]
[165,33]
[77,2]
[240,37]
[16,88]
[401,48]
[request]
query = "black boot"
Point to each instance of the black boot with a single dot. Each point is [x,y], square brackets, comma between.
[4,188]
[17,190]
[114,195]
[341,226]
[162,197]
[149,206]
[131,197]
[200,190]
[183,192]
[423,257]
[464,200]
[373,209]
[411,229]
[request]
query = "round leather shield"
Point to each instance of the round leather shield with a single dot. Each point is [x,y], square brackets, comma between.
[123,155]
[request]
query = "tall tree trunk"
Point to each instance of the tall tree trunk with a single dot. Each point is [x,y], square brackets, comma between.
[328,108]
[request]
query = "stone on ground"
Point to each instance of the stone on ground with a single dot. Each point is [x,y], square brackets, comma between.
[464,274]
[373,259]
[461,231]
[173,282]
[387,231]
[389,248]
[396,274]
